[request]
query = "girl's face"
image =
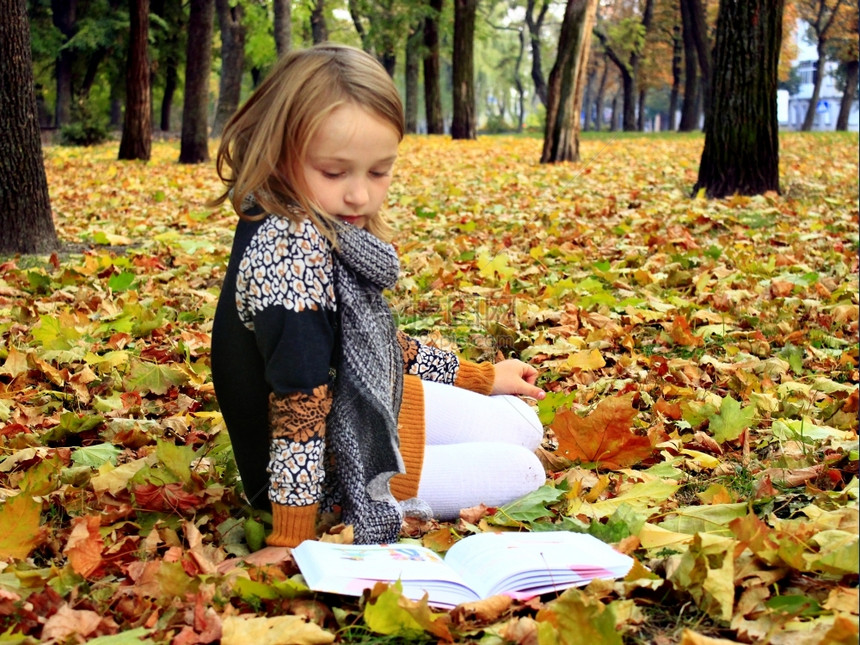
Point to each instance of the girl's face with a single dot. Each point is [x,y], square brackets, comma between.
[349,162]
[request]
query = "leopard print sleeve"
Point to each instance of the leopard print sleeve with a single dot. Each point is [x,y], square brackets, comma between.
[297,446]
[426,362]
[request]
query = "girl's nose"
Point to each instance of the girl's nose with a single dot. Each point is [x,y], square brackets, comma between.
[357,193]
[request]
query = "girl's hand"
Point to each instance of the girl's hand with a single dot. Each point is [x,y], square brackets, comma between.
[516,377]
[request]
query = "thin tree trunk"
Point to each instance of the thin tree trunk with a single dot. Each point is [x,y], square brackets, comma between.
[521,93]
[413,71]
[567,83]
[699,33]
[851,69]
[677,50]
[601,96]
[319,28]
[463,123]
[283,26]
[741,153]
[64,18]
[194,143]
[534,25]
[690,104]
[136,140]
[432,92]
[588,100]
[232,62]
[171,83]
[809,118]
[26,224]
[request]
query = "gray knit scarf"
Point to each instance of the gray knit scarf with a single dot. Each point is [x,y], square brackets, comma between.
[361,429]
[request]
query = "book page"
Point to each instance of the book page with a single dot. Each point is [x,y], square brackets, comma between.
[529,564]
[350,569]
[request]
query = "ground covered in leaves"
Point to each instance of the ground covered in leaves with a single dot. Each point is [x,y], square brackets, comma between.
[701,359]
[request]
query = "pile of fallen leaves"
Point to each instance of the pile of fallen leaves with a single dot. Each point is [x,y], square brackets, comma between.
[701,359]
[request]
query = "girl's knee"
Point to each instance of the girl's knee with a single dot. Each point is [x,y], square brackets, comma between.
[524,420]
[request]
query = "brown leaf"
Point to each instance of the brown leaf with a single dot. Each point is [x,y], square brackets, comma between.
[85,545]
[481,612]
[604,436]
[68,621]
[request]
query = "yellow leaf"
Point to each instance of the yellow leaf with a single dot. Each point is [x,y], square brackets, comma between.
[275,630]
[587,360]
[655,537]
[19,517]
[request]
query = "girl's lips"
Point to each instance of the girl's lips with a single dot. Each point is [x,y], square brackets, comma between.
[352,219]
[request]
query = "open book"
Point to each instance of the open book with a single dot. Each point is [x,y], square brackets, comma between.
[520,565]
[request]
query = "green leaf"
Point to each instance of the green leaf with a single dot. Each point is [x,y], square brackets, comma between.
[529,508]
[131,637]
[731,420]
[151,377]
[386,616]
[177,459]
[51,333]
[120,282]
[575,617]
[95,456]
[712,518]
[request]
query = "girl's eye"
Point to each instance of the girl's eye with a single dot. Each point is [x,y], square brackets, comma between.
[331,175]
[379,174]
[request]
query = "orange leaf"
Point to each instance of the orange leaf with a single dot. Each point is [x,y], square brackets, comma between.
[604,436]
[84,548]
[682,334]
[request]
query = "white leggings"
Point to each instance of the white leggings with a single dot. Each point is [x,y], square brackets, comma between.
[480,450]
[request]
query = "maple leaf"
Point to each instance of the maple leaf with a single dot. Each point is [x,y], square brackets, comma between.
[19,517]
[85,544]
[603,437]
[575,617]
[731,421]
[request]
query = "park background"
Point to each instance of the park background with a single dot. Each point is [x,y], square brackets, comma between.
[700,355]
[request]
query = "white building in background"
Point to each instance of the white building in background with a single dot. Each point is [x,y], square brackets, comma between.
[829,98]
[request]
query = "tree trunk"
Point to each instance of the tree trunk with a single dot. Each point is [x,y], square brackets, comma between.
[601,96]
[319,28]
[690,105]
[194,142]
[627,84]
[170,85]
[521,93]
[64,18]
[741,153]
[613,118]
[699,34]
[232,62]
[432,93]
[809,118]
[26,224]
[851,69]
[413,71]
[463,124]
[677,50]
[136,140]
[588,100]
[567,83]
[283,26]
[534,25]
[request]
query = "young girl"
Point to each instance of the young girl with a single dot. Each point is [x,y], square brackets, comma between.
[326,403]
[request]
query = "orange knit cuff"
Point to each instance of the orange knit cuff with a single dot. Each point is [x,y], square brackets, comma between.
[410,426]
[292,525]
[477,377]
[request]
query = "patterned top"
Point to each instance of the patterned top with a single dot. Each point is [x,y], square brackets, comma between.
[280,284]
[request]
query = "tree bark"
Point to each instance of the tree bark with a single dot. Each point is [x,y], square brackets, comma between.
[567,83]
[232,62]
[627,84]
[601,96]
[820,26]
[136,140]
[741,153]
[463,123]
[171,83]
[432,93]
[319,28]
[26,224]
[413,71]
[64,18]
[851,73]
[194,142]
[690,104]
[699,34]
[534,25]
[677,50]
[283,26]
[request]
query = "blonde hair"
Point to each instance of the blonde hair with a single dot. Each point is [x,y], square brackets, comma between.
[265,141]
